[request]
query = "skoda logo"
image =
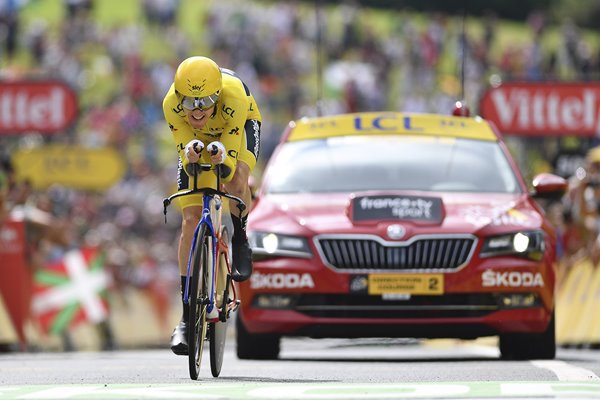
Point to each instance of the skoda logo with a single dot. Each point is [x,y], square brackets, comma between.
[396,231]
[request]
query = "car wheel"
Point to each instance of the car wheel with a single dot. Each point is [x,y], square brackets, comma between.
[526,346]
[255,346]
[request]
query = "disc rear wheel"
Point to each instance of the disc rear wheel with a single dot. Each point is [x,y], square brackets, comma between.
[218,330]
[217,334]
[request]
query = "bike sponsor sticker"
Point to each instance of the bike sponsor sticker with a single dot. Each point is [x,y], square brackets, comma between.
[408,208]
[430,284]
[281,281]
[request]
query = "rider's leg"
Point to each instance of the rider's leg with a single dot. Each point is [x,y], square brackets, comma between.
[242,255]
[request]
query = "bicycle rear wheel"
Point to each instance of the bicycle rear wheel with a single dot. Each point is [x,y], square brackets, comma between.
[216,335]
[217,331]
[198,297]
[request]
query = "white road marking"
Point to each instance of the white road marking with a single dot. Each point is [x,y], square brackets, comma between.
[566,372]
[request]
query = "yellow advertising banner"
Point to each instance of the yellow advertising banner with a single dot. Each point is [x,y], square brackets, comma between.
[71,166]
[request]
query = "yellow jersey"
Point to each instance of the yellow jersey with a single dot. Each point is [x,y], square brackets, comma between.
[235,106]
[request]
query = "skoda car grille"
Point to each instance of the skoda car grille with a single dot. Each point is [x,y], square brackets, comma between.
[353,253]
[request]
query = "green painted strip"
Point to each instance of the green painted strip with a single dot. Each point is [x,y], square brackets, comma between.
[206,388]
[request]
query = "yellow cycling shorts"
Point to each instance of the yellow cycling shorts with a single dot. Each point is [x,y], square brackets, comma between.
[248,154]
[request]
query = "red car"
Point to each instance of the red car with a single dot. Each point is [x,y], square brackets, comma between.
[399,225]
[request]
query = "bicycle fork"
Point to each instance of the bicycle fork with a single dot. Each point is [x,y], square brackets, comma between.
[206,298]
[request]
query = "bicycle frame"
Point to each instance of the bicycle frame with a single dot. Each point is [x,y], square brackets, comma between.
[218,244]
[211,198]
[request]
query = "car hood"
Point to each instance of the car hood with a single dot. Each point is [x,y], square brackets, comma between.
[335,213]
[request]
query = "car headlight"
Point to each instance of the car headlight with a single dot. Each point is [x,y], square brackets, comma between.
[528,244]
[268,244]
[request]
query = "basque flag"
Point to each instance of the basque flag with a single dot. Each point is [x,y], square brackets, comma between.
[71,291]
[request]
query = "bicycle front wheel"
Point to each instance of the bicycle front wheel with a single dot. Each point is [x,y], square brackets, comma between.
[217,331]
[199,298]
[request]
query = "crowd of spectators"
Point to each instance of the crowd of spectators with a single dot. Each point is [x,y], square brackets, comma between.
[415,65]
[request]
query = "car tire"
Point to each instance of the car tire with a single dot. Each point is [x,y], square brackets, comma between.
[255,346]
[528,346]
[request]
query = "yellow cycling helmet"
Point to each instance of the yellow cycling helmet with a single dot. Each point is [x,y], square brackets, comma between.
[198,78]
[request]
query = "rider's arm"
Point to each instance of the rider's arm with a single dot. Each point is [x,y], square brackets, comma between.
[233,135]
[182,133]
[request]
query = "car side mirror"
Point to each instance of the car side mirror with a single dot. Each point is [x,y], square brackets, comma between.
[549,186]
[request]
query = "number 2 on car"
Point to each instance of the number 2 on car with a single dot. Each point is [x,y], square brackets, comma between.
[429,284]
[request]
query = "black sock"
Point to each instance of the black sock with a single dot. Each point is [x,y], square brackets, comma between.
[239,229]
[186,307]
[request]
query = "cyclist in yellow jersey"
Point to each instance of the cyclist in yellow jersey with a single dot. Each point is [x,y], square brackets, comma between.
[208,106]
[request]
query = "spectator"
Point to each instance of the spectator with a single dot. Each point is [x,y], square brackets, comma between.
[9,26]
[585,202]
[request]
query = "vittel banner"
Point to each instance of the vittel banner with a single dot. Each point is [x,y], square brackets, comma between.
[544,109]
[47,107]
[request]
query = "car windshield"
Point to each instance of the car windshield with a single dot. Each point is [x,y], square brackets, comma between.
[358,163]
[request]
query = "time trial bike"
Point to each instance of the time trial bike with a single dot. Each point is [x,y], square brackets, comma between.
[208,289]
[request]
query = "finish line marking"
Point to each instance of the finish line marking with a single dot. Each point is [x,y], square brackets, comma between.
[326,391]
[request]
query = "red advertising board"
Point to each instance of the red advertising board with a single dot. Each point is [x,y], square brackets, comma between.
[16,278]
[46,107]
[544,108]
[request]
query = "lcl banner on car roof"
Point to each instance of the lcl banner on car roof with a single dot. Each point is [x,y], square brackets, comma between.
[544,108]
[46,107]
